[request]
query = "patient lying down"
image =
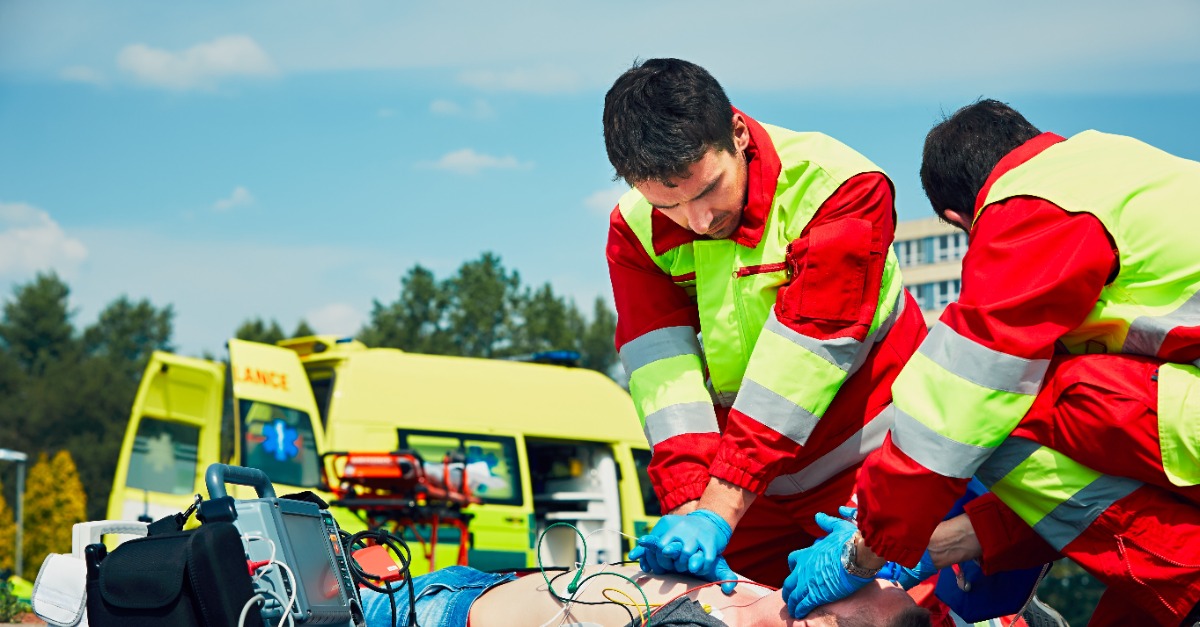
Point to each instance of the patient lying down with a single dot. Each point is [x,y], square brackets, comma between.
[461,596]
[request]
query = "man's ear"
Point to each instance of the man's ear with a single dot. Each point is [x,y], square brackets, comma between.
[960,219]
[741,133]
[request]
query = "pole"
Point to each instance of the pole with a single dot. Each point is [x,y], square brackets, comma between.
[19,561]
[20,458]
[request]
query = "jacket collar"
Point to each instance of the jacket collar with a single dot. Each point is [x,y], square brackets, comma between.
[1019,155]
[762,177]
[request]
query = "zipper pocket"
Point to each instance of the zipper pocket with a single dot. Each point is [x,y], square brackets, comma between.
[759,269]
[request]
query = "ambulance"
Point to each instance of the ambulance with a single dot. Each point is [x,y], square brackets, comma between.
[540,443]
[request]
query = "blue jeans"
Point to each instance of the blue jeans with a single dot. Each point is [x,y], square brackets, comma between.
[444,598]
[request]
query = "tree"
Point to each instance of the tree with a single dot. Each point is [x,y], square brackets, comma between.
[483,311]
[54,502]
[8,534]
[597,347]
[417,321]
[255,330]
[302,329]
[483,296]
[126,333]
[36,327]
[544,322]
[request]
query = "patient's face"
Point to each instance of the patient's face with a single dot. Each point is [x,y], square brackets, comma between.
[875,604]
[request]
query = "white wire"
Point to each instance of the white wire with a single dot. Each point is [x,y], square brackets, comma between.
[260,572]
[616,531]
[246,608]
[566,608]
[287,611]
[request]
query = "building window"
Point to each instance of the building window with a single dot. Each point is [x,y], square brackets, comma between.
[911,252]
[936,295]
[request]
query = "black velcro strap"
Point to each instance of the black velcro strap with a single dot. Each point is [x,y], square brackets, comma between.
[146,573]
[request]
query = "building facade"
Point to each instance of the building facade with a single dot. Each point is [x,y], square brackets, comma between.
[930,253]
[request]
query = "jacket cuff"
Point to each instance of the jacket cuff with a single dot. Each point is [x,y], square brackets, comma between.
[679,490]
[734,466]
[1008,542]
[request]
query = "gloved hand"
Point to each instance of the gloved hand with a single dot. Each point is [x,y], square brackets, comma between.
[817,574]
[909,577]
[685,544]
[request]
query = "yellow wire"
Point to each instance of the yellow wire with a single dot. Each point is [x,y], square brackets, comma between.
[632,603]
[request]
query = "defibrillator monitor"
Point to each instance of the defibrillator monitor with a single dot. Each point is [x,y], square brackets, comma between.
[317,582]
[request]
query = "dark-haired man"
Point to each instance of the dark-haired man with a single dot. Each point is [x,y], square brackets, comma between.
[760,317]
[1067,370]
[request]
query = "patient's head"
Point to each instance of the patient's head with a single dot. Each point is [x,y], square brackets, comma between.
[879,604]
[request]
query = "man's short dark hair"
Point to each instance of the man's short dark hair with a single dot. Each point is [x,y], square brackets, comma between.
[661,116]
[963,149]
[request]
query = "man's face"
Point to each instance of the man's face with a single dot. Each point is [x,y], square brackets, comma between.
[876,603]
[708,199]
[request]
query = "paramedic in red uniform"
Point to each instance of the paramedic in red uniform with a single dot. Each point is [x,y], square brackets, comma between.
[760,317]
[1065,373]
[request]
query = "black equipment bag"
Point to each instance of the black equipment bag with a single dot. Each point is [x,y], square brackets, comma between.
[193,578]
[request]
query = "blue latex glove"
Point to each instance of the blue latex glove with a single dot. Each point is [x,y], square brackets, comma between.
[909,577]
[817,574]
[685,544]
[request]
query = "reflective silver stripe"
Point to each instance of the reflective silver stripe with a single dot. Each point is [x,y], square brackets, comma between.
[841,352]
[1147,333]
[679,419]
[1071,517]
[659,344]
[934,450]
[846,455]
[1011,452]
[979,364]
[781,415]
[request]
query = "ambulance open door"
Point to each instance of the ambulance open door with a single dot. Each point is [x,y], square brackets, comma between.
[174,433]
[278,428]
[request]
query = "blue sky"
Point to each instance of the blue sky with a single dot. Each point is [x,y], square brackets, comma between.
[292,160]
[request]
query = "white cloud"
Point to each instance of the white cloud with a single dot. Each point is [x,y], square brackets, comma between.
[467,161]
[385,112]
[602,201]
[83,74]
[240,197]
[336,319]
[31,241]
[537,80]
[200,67]
[478,109]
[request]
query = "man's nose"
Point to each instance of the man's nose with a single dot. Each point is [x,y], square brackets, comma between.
[699,217]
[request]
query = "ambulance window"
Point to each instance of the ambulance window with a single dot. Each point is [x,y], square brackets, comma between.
[493,473]
[164,457]
[279,441]
[322,380]
[641,460]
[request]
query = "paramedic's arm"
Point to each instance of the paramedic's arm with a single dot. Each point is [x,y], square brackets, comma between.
[837,268]
[1033,273]
[651,307]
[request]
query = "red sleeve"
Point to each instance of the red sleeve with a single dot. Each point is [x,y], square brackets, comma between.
[1032,273]
[1008,542]
[647,299]
[837,268]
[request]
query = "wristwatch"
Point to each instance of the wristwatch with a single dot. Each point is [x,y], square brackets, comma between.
[849,559]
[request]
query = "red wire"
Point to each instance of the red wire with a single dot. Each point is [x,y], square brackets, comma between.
[711,583]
